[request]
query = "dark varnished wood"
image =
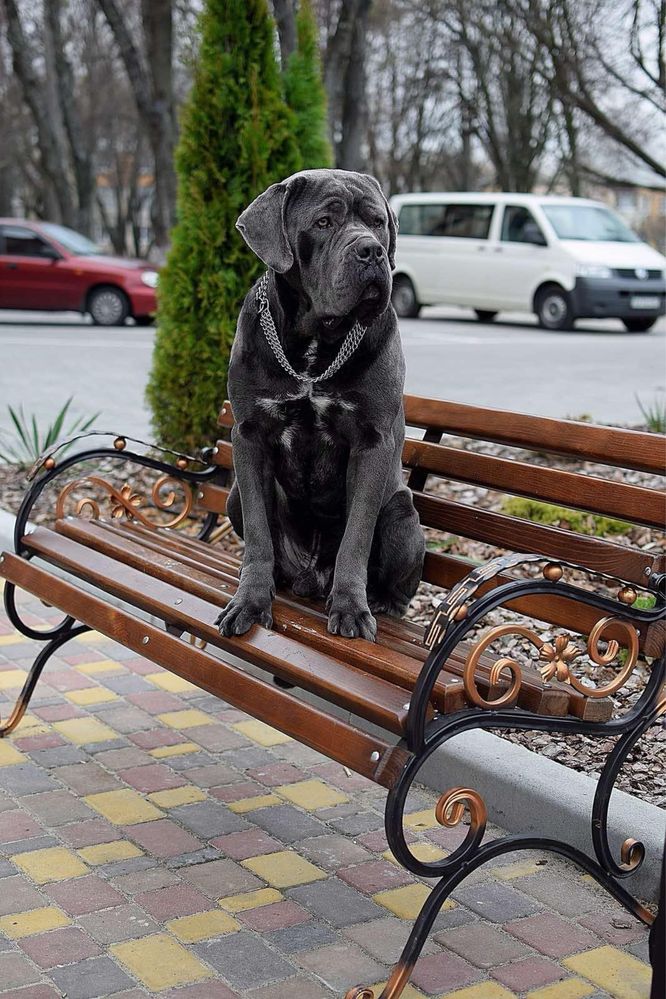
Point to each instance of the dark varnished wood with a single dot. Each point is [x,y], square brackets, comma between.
[607,445]
[311,726]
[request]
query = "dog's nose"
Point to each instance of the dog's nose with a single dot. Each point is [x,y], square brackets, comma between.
[368,250]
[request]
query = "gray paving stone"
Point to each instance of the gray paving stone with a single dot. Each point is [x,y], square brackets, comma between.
[126,719]
[221,878]
[287,823]
[482,945]
[249,759]
[18,895]
[356,825]
[126,867]
[92,979]
[496,902]
[25,778]
[342,965]
[384,939]
[244,960]
[59,756]
[124,922]
[333,851]
[56,808]
[131,683]
[189,760]
[336,902]
[16,970]
[7,869]
[292,988]
[303,936]
[208,819]
[561,894]
[194,858]
[27,845]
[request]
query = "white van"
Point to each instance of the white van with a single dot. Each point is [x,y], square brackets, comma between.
[561,258]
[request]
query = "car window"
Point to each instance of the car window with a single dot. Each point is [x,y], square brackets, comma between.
[460,221]
[588,222]
[19,242]
[519,225]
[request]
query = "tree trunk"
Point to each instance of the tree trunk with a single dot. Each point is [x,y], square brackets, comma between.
[285,18]
[350,154]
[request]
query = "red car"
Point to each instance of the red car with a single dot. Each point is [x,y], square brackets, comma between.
[47,266]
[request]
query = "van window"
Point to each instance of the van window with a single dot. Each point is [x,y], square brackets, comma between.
[588,222]
[520,226]
[460,221]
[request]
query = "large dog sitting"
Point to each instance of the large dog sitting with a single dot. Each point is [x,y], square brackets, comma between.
[319,497]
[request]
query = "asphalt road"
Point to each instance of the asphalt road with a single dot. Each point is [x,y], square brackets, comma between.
[598,369]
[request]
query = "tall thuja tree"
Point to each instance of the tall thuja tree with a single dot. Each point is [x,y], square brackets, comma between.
[236,138]
[305,93]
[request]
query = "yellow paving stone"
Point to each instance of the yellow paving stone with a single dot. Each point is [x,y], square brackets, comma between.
[11,678]
[251,804]
[571,988]
[12,639]
[175,796]
[91,695]
[484,990]
[171,681]
[427,852]
[284,869]
[202,926]
[521,869]
[163,752]
[124,807]
[621,974]
[31,725]
[53,864]
[260,732]
[91,637]
[107,853]
[250,899]
[9,755]
[159,962]
[425,819]
[24,924]
[101,666]
[312,794]
[186,719]
[406,902]
[82,731]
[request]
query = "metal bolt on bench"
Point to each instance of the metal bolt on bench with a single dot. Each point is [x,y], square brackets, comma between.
[420,691]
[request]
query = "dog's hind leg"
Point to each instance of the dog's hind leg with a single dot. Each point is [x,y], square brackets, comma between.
[234,510]
[397,556]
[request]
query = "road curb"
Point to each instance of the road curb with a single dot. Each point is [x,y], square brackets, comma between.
[523,791]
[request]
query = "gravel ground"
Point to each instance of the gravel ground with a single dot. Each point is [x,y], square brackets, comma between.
[644,774]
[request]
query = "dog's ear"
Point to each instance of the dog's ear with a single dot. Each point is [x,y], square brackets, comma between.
[392,220]
[262,227]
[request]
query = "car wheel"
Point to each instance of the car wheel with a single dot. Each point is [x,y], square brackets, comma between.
[144,320]
[484,316]
[403,298]
[640,325]
[108,306]
[553,308]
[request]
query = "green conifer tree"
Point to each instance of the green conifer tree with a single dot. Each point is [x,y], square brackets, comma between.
[237,138]
[305,94]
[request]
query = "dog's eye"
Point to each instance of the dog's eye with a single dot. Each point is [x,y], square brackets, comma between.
[324,222]
[378,221]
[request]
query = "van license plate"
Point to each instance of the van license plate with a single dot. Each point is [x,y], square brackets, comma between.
[645,301]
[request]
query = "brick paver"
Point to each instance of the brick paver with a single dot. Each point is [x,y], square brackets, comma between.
[155,841]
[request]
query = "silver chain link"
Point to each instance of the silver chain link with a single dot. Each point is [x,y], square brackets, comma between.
[351,341]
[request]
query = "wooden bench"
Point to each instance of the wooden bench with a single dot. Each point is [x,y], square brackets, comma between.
[151,573]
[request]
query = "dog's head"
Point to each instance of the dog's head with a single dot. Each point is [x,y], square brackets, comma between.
[332,234]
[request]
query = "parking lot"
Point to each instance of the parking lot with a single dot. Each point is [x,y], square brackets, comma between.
[598,369]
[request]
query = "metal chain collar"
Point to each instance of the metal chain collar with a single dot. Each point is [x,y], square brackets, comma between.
[351,341]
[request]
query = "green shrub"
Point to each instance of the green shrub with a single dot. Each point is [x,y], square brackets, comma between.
[305,93]
[560,516]
[654,414]
[237,138]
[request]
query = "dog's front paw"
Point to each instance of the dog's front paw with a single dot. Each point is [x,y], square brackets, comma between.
[242,612]
[350,617]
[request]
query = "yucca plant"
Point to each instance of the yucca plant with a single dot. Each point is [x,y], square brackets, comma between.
[29,440]
[654,414]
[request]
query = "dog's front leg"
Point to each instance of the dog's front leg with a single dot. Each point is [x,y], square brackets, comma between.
[349,613]
[251,604]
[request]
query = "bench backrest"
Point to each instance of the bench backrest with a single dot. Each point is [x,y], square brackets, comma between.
[444,453]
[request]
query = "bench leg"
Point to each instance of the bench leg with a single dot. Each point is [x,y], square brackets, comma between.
[54,638]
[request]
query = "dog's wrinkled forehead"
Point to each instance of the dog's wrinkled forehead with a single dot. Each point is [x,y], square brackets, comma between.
[268,224]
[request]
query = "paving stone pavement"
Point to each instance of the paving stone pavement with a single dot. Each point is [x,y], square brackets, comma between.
[155,841]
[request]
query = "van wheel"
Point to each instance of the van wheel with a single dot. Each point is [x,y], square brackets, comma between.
[553,308]
[108,306]
[640,325]
[403,298]
[484,316]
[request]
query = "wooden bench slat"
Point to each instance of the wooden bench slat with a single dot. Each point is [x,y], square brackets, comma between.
[307,624]
[305,722]
[634,449]
[517,535]
[365,695]
[584,492]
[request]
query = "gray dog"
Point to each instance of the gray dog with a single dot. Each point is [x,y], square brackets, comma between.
[315,381]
